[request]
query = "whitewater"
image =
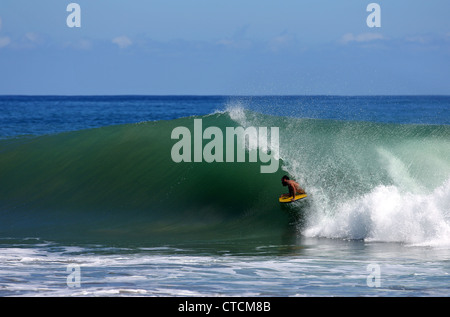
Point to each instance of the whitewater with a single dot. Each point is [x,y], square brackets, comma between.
[376,182]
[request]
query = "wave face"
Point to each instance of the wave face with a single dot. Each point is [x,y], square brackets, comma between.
[120,182]
[372,181]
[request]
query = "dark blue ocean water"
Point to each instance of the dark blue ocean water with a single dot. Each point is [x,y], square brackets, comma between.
[37,115]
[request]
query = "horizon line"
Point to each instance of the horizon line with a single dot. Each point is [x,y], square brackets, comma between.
[224,95]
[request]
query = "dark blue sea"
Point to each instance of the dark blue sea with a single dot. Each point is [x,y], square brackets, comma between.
[92,202]
[37,115]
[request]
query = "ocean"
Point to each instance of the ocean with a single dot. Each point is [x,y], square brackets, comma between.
[93,204]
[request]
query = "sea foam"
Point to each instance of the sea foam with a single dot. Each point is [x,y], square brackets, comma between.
[387,214]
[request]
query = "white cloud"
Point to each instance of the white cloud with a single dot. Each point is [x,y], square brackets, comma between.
[82,44]
[4,41]
[364,37]
[225,42]
[122,41]
[235,44]
[279,42]
[33,38]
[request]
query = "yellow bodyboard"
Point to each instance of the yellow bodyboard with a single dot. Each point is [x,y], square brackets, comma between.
[289,199]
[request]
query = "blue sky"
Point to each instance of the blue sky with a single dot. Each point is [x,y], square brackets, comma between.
[218,47]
